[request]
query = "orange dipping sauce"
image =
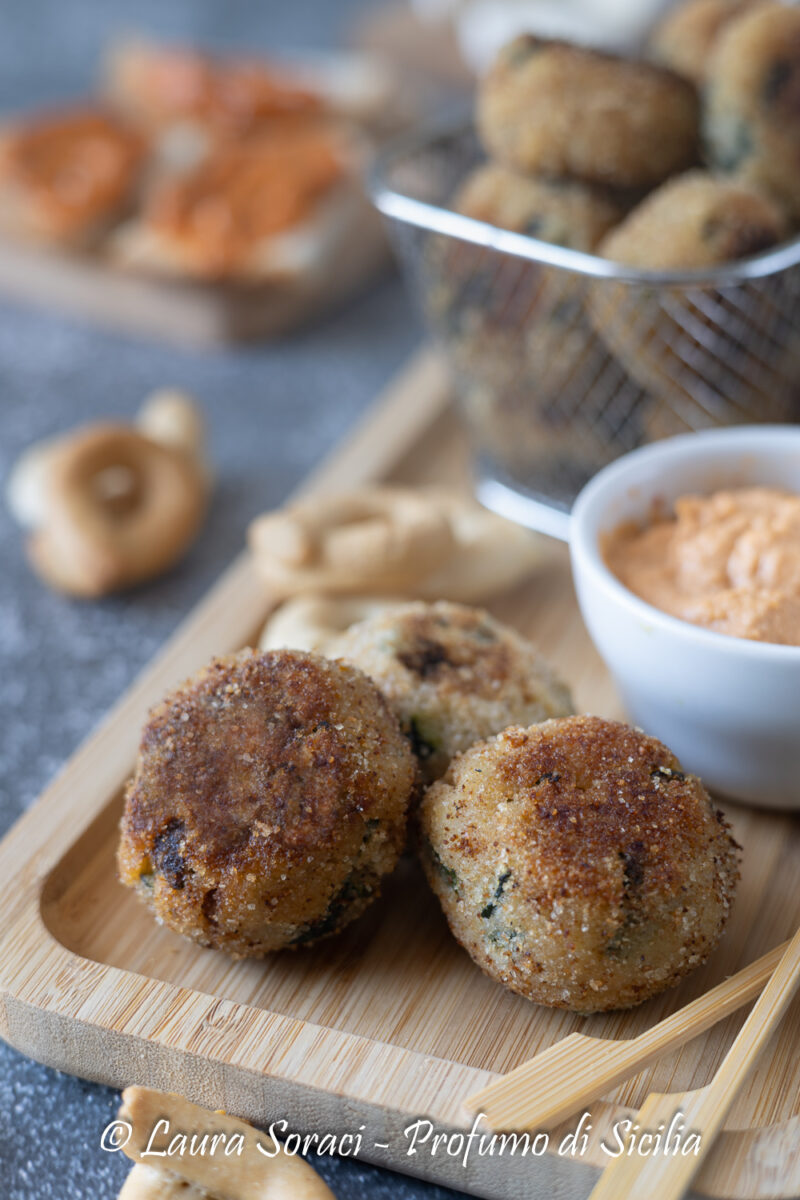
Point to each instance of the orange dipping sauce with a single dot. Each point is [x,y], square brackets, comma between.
[729,562]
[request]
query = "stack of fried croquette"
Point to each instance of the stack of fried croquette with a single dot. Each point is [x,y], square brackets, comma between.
[573,858]
[577,138]
[683,161]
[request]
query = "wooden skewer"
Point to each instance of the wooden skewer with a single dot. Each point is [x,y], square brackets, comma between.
[564,1079]
[666,1175]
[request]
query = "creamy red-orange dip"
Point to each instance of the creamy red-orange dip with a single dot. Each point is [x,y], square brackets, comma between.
[79,167]
[245,192]
[233,95]
[729,561]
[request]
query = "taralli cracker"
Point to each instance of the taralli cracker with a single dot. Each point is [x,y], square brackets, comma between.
[111,505]
[150,1183]
[247,1174]
[491,554]
[384,537]
[88,548]
[428,543]
[312,622]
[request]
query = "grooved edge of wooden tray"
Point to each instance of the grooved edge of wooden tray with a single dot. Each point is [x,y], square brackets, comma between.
[118,1027]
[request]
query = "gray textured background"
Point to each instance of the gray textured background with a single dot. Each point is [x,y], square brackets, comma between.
[273,411]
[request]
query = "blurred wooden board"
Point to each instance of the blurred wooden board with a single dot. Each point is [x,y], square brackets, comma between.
[90,288]
[391,1021]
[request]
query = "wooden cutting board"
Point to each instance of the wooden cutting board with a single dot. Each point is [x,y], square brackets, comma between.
[391,1021]
[91,288]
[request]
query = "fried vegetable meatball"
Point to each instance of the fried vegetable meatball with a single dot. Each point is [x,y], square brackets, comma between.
[528,399]
[453,675]
[564,212]
[686,347]
[696,220]
[519,341]
[751,122]
[685,37]
[269,798]
[562,110]
[577,863]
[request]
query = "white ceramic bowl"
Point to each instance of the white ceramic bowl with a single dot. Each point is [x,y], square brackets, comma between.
[728,707]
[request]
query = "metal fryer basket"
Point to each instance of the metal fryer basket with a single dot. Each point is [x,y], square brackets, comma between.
[564,360]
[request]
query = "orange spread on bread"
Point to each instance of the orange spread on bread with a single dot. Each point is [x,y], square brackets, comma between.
[78,165]
[233,95]
[246,192]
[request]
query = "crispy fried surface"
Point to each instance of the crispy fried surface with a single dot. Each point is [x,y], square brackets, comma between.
[555,109]
[562,211]
[577,863]
[453,675]
[693,221]
[269,797]
[684,39]
[750,124]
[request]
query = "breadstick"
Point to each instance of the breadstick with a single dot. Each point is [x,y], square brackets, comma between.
[249,1175]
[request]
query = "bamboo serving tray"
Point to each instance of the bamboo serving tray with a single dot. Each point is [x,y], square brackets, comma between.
[390,1021]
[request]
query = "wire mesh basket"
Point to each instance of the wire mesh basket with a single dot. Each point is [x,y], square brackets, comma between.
[562,360]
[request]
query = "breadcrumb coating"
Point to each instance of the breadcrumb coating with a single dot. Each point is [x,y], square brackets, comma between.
[555,109]
[270,796]
[453,675]
[562,211]
[696,221]
[577,863]
[750,118]
[684,38]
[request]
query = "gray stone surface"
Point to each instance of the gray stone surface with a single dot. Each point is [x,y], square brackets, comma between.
[273,411]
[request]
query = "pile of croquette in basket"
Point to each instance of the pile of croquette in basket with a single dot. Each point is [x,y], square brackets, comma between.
[686,159]
[683,161]
[573,858]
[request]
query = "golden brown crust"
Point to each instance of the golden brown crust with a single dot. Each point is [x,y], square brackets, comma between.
[685,37]
[90,545]
[247,1175]
[750,121]
[696,220]
[269,797]
[453,675]
[564,212]
[552,108]
[672,343]
[577,863]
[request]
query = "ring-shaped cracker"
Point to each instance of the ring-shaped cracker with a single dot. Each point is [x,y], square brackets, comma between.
[381,539]
[90,545]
